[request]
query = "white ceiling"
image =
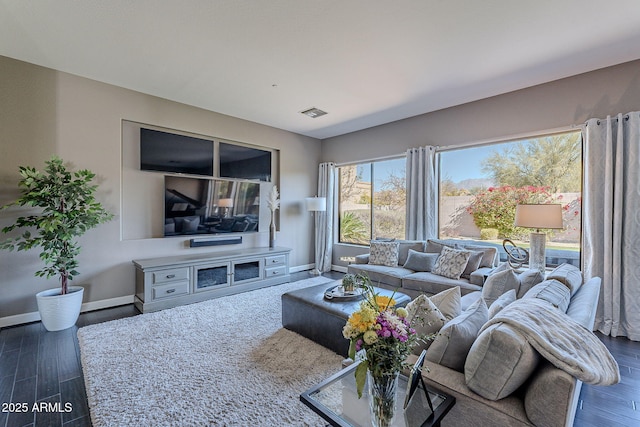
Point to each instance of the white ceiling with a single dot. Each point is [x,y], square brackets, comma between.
[365,62]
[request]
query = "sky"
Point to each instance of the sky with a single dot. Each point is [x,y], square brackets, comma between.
[459,165]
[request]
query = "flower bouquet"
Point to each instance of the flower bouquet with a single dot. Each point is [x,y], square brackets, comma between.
[386,337]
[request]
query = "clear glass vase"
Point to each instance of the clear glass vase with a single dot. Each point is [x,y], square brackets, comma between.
[382,397]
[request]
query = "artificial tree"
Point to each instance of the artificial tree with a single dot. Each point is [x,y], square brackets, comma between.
[67,209]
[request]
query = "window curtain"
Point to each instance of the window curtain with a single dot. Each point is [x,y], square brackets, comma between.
[612,221]
[422,193]
[324,220]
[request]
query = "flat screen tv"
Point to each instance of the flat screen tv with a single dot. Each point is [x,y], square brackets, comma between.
[169,152]
[238,161]
[195,206]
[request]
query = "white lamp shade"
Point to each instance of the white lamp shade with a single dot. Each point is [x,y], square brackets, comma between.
[316,204]
[225,203]
[539,216]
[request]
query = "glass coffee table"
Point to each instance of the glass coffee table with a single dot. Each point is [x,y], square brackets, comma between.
[336,400]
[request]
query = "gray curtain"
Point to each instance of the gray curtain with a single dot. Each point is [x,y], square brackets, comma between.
[324,220]
[422,193]
[611,212]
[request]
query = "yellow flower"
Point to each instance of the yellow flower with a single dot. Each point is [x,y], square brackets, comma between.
[402,312]
[384,302]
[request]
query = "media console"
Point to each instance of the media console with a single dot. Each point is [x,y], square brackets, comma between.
[176,280]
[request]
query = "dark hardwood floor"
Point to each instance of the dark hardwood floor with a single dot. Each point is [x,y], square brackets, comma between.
[43,369]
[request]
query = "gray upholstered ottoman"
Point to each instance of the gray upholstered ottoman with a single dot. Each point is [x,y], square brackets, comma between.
[309,314]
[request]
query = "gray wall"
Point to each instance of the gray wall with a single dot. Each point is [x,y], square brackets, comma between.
[558,104]
[45,112]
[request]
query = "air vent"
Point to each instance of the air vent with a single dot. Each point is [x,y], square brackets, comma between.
[314,112]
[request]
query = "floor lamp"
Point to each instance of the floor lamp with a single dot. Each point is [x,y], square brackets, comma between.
[314,205]
[548,216]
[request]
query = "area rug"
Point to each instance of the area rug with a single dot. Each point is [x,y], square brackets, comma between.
[222,362]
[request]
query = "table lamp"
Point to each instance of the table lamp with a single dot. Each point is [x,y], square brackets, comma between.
[540,216]
[316,204]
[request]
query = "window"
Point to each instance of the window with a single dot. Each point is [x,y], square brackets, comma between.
[480,186]
[372,201]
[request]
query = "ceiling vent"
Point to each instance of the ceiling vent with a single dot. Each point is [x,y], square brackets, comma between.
[314,112]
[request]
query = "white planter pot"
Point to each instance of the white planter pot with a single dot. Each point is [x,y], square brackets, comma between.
[57,311]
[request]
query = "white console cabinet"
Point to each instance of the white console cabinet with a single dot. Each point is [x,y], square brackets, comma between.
[176,280]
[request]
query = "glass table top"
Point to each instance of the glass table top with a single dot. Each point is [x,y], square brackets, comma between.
[336,400]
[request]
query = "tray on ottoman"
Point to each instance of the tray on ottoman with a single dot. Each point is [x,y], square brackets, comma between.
[308,313]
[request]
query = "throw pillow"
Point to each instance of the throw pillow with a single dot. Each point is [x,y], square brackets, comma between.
[383,253]
[553,292]
[451,263]
[448,302]
[426,319]
[528,279]
[494,372]
[489,254]
[435,246]
[569,275]
[499,283]
[404,246]
[456,337]
[472,264]
[502,301]
[420,261]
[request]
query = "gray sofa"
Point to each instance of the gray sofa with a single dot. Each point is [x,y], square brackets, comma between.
[413,282]
[549,397]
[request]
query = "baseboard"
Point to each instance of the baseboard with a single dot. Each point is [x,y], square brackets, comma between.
[340,268]
[300,268]
[20,319]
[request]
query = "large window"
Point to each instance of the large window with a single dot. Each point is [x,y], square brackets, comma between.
[372,201]
[480,187]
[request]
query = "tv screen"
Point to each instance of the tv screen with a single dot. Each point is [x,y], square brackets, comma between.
[237,161]
[210,206]
[169,152]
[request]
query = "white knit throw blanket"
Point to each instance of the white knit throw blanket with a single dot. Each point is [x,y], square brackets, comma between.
[561,340]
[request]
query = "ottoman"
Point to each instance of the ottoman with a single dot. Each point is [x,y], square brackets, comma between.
[308,313]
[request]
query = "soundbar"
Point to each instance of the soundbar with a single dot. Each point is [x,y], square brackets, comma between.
[204,241]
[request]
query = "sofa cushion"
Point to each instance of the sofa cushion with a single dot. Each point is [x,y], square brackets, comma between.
[448,302]
[499,361]
[404,246]
[456,337]
[499,283]
[489,254]
[528,279]
[553,292]
[383,253]
[451,263]
[391,276]
[502,301]
[569,275]
[425,317]
[429,283]
[420,261]
[473,263]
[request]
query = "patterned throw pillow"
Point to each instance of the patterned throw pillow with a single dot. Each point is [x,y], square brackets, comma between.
[451,263]
[383,253]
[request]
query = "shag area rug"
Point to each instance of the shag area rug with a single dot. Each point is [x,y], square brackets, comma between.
[222,362]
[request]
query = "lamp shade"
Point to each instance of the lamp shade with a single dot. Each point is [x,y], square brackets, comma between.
[225,203]
[539,216]
[316,204]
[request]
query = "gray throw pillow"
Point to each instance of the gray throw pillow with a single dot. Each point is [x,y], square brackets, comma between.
[420,261]
[472,264]
[569,275]
[426,319]
[383,253]
[404,246]
[499,283]
[552,291]
[448,302]
[456,337]
[528,279]
[502,301]
[451,263]
[435,246]
[489,254]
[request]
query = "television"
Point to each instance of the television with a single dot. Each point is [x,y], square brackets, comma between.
[169,152]
[194,206]
[239,161]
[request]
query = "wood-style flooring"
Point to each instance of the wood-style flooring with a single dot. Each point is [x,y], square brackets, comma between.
[43,369]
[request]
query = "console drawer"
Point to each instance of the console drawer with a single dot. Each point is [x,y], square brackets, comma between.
[170,290]
[274,261]
[171,275]
[275,271]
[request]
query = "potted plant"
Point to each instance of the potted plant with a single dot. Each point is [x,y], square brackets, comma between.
[349,282]
[67,208]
